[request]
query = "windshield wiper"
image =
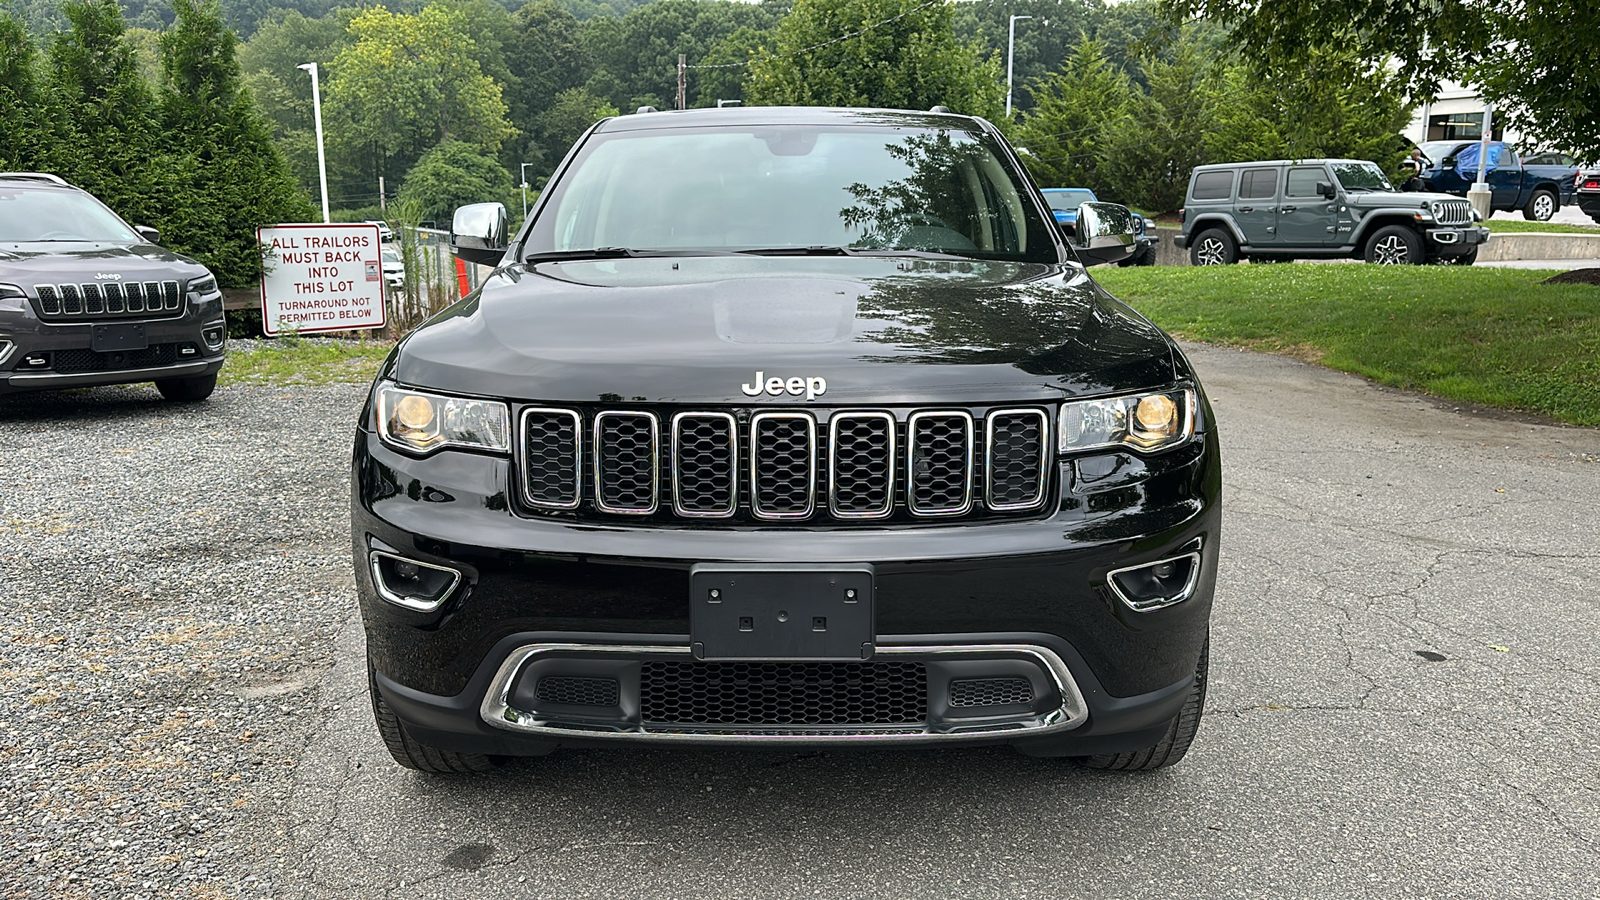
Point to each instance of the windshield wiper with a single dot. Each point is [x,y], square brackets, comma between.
[823,250]
[618,253]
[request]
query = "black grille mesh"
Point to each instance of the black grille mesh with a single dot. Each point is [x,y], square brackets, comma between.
[626,470]
[550,446]
[783,694]
[940,463]
[1016,459]
[990,692]
[68,362]
[578,691]
[862,463]
[109,298]
[706,464]
[784,458]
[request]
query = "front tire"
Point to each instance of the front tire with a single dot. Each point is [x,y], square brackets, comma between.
[187,390]
[1541,206]
[1464,259]
[417,756]
[1394,245]
[1180,734]
[1214,247]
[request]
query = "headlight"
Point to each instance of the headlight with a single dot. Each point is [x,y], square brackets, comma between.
[1151,421]
[203,286]
[423,422]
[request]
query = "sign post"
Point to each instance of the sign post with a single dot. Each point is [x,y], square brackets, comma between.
[321,278]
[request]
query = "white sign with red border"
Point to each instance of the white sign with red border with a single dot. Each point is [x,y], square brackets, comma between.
[321,278]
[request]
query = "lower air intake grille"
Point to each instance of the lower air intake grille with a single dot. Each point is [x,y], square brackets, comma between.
[578,691]
[990,692]
[783,694]
[69,362]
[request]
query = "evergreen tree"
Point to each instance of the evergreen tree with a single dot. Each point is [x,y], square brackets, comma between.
[21,147]
[225,175]
[1063,138]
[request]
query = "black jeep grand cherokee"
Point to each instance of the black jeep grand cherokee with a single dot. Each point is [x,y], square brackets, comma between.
[87,299]
[787,426]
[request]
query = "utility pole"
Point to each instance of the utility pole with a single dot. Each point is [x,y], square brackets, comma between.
[682,71]
[383,202]
[1011,53]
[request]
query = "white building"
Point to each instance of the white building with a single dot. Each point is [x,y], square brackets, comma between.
[1456,114]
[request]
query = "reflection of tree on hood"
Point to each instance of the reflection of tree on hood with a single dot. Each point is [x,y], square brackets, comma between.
[1038,326]
[914,212]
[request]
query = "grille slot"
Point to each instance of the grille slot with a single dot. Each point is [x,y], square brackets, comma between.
[861,465]
[626,473]
[1454,212]
[679,693]
[782,465]
[551,465]
[97,299]
[578,691]
[939,463]
[990,692]
[1015,445]
[705,464]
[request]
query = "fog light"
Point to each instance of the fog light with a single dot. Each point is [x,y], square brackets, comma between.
[410,583]
[36,360]
[1158,584]
[215,336]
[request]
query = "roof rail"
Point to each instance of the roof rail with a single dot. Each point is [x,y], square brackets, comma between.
[36,176]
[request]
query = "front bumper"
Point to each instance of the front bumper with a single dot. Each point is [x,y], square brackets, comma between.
[1030,592]
[1456,241]
[48,355]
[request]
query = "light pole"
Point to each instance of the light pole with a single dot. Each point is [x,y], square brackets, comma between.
[524,172]
[1011,53]
[1479,195]
[322,159]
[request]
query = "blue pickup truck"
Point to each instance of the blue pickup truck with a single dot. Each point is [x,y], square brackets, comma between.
[1064,202]
[1537,190]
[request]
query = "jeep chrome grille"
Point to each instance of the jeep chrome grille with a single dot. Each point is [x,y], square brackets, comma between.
[1452,212]
[98,299]
[851,465]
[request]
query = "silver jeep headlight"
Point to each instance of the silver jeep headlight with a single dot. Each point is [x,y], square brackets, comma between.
[422,422]
[1152,421]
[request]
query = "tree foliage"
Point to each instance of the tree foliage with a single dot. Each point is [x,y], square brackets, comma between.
[450,175]
[1535,58]
[1064,134]
[906,56]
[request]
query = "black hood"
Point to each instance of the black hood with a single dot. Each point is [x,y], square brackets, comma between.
[75,262]
[695,330]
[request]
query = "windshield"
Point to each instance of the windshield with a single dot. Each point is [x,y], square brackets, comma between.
[1067,200]
[390,254]
[57,215]
[765,187]
[1360,176]
[1437,150]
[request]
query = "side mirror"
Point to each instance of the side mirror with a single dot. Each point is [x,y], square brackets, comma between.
[148,233]
[1449,162]
[1325,188]
[478,233]
[1104,233]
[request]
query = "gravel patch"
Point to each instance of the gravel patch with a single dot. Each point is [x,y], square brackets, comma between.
[172,579]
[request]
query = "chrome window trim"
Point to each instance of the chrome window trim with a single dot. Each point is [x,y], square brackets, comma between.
[911,464]
[833,456]
[811,467]
[1149,605]
[577,456]
[655,464]
[988,457]
[411,603]
[497,711]
[733,471]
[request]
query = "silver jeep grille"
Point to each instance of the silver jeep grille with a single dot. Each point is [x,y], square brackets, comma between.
[844,465]
[1452,212]
[109,299]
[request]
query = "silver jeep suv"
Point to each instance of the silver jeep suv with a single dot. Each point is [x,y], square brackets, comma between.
[87,299]
[1321,208]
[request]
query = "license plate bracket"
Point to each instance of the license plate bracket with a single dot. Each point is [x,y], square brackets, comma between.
[112,338]
[781,612]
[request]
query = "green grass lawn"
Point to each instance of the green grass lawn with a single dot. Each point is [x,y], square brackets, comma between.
[297,361]
[1514,226]
[1482,335]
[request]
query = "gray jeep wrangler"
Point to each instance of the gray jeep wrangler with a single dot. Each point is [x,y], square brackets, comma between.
[1318,209]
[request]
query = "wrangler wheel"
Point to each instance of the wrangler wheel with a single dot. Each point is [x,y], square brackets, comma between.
[1214,247]
[1394,245]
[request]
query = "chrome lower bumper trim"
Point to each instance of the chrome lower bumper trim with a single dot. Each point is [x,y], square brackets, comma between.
[497,711]
[114,376]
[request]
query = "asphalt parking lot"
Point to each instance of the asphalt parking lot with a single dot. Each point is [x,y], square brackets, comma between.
[1405,662]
